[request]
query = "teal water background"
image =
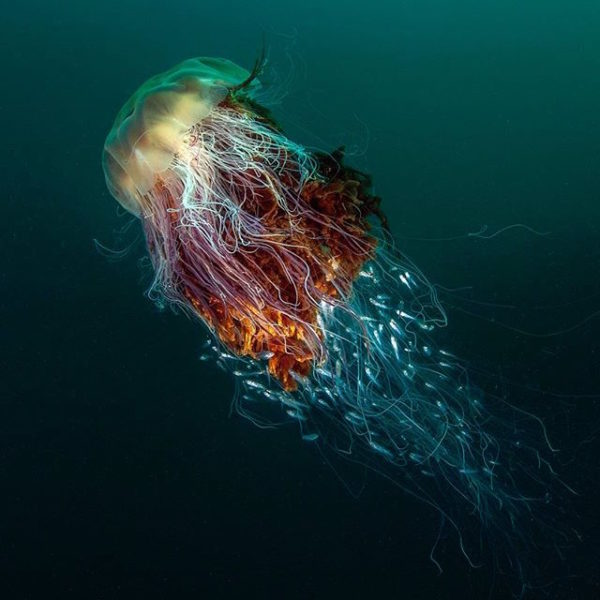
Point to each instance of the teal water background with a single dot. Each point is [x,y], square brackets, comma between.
[123,475]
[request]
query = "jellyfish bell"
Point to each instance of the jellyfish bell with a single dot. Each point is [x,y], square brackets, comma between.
[150,128]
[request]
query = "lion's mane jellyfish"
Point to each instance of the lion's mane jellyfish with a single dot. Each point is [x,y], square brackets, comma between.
[285,255]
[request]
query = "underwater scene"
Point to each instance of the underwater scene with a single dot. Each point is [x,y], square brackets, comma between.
[301,300]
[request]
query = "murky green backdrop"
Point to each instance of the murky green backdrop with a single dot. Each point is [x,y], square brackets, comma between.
[121,473]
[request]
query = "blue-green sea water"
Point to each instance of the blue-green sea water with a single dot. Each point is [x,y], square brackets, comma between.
[122,473]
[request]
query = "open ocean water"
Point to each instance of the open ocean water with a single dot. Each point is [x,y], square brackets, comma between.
[122,472]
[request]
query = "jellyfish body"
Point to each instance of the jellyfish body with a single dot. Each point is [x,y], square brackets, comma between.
[245,228]
[284,254]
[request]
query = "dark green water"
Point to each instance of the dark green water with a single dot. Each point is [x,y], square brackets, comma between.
[121,473]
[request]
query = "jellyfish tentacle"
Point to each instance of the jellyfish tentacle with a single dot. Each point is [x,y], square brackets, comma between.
[287,257]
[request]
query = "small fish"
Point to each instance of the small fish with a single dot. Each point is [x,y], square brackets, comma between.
[354,418]
[254,384]
[381,449]
[296,414]
[324,373]
[323,403]
[396,327]
[338,368]
[395,347]
[371,376]
[378,304]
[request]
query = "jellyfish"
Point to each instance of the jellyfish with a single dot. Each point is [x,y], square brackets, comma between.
[285,255]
